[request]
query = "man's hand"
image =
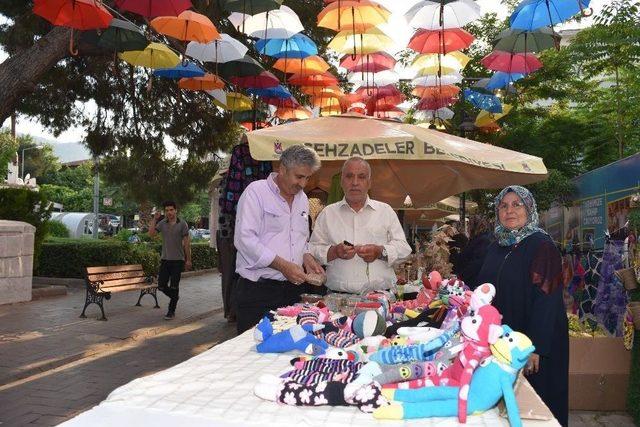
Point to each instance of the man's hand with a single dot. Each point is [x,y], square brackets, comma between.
[311,265]
[533,365]
[341,251]
[369,253]
[188,265]
[294,273]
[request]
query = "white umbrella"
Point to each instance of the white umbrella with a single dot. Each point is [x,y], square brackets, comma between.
[456,14]
[223,50]
[447,79]
[237,18]
[442,113]
[219,94]
[281,23]
[381,78]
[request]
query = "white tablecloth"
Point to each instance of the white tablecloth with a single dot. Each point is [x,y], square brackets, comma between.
[215,388]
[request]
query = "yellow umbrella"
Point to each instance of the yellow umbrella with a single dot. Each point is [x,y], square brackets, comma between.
[371,41]
[156,55]
[406,159]
[188,26]
[330,111]
[355,16]
[329,101]
[486,119]
[321,90]
[430,63]
[303,66]
[235,102]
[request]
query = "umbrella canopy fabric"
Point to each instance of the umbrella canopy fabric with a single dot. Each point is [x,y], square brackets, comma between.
[429,91]
[271,92]
[511,62]
[235,102]
[383,78]
[304,66]
[76,14]
[188,26]
[483,101]
[371,41]
[406,159]
[391,113]
[224,49]
[296,46]
[121,36]
[324,79]
[263,80]
[440,41]
[280,102]
[206,82]
[500,80]
[326,102]
[431,63]
[246,66]
[442,14]
[353,15]
[156,55]
[188,69]
[446,79]
[281,23]
[369,63]
[299,113]
[154,8]
[518,41]
[330,111]
[250,7]
[435,102]
[441,113]
[321,90]
[533,14]
[485,118]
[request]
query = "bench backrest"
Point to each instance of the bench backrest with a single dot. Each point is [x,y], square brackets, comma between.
[117,278]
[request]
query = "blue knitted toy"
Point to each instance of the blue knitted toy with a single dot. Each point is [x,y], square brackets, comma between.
[413,353]
[298,337]
[493,380]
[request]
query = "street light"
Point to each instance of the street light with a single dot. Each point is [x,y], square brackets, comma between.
[36,147]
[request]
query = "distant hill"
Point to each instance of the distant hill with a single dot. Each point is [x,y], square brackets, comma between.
[66,152]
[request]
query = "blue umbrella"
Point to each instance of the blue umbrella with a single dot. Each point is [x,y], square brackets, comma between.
[501,79]
[271,92]
[188,69]
[533,14]
[490,103]
[298,46]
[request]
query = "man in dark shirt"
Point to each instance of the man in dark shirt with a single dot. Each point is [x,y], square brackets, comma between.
[176,252]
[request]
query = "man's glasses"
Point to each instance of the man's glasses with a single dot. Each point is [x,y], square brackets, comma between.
[515,205]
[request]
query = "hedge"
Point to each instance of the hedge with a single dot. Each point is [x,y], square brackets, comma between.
[69,257]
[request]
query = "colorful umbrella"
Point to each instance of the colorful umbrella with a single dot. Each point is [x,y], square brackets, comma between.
[76,14]
[324,79]
[281,23]
[511,62]
[483,101]
[327,102]
[382,78]
[235,102]
[263,80]
[330,111]
[354,16]
[296,46]
[446,79]
[533,14]
[153,8]
[500,80]
[224,49]
[379,91]
[370,63]
[434,63]
[303,66]
[246,66]
[486,117]
[187,26]
[435,15]
[517,41]
[435,102]
[281,102]
[441,113]
[121,36]
[278,91]
[321,90]
[286,113]
[440,41]
[392,113]
[371,41]
[250,7]
[156,55]
[184,69]
[428,91]
[204,83]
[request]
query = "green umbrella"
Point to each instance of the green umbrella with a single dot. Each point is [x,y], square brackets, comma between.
[121,36]
[250,7]
[518,41]
[247,116]
[244,67]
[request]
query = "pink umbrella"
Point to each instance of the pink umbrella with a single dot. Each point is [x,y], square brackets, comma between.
[154,8]
[509,62]
[435,102]
[261,81]
[371,63]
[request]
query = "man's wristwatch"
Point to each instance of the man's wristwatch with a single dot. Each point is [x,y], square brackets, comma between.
[384,256]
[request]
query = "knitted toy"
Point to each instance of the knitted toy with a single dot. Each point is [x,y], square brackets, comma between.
[420,333]
[368,324]
[298,337]
[430,285]
[493,380]
[319,369]
[331,353]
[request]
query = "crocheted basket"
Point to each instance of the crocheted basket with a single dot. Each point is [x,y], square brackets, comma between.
[628,278]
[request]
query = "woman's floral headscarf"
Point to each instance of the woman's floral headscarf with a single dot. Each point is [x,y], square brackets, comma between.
[508,237]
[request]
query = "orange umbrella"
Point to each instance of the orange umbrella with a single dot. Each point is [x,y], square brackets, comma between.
[207,82]
[355,16]
[327,102]
[188,25]
[431,91]
[298,113]
[320,90]
[330,111]
[304,66]
[324,79]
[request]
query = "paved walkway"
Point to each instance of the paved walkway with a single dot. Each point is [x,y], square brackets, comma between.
[54,365]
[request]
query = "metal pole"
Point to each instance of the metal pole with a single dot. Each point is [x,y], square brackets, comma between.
[22,176]
[96,197]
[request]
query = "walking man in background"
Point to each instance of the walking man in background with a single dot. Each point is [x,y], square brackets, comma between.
[176,253]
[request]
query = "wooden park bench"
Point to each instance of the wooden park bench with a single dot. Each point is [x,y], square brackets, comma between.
[104,281]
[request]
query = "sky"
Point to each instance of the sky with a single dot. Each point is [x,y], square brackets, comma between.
[396,28]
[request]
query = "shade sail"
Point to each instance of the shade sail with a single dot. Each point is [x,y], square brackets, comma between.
[406,159]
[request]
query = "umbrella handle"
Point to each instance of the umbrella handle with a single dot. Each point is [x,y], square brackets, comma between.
[72,50]
[585,12]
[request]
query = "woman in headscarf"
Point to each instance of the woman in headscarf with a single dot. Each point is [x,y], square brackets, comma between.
[526,268]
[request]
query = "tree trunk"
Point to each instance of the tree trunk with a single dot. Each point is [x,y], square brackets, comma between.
[20,73]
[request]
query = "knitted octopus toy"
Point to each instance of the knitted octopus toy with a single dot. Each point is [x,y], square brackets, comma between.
[493,380]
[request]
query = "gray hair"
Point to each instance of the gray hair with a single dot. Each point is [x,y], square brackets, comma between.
[356,159]
[299,155]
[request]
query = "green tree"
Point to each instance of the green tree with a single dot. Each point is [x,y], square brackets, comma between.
[37,162]
[8,148]
[80,176]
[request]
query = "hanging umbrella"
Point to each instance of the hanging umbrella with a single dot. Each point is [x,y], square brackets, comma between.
[250,7]
[371,41]
[518,41]
[435,102]
[380,91]
[263,80]
[324,79]
[296,46]
[433,63]
[428,91]
[511,62]
[187,26]
[406,159]
[247,66]
[153,8]
[321,90]
[277,102]
[156,55]
[298,113]
[382,78]
[485,118]
[121,36]
[483,101]
[440,41]
[224,49]
[446,79]
[442,14]
[370,63]
[500,80]
[533,14]
[219,95]
[281,23]
[204,83]
[431,115]
[303,66]
[330,111]
[235,102]
[278,91]
[392,113]
[184,69]
[326,102]
[76,14]
[354,16]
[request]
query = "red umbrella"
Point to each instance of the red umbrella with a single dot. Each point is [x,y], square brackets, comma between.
[153,8]
[281,102]
[509,62]
[440,41]
[261,81]
[324,79]
[371,63]
[429,91]
[435,102]
[379,91]
[391,113]
[76,14]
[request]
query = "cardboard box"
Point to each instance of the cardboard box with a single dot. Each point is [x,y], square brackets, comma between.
[598,374]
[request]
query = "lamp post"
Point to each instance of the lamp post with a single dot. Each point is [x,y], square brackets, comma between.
[36,147]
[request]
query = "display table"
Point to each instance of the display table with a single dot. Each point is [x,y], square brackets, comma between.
[215,388]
